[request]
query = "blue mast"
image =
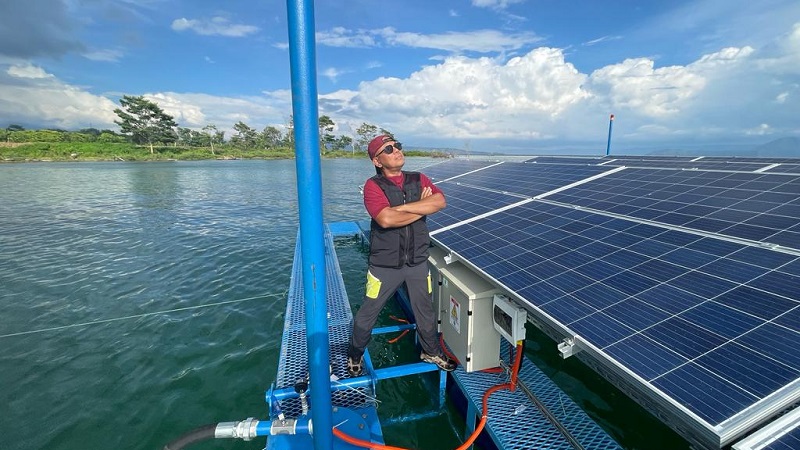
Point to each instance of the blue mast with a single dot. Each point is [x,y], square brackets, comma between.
[610,124]
[309,193]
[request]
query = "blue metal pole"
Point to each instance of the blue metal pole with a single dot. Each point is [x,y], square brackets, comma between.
[309,193]
[610,124]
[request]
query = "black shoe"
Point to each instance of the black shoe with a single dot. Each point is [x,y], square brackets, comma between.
[355,368]
[442,361]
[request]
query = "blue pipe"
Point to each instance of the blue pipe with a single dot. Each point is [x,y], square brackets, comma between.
[309,193]
[610,124]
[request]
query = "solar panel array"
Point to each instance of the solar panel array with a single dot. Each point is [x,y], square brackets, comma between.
[685,282]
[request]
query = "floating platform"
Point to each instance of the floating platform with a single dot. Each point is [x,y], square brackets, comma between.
[536,415]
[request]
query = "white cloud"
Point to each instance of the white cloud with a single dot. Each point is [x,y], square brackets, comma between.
[601,40]
[760,130]
[28,71]
[483,41]
[495,4]
[109,55]
[31,94]
[636,85]
[465,97]
[216,26]
[332,73]
[342,37]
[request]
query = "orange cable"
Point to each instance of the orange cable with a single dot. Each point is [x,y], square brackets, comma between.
[512,386]
[393,340]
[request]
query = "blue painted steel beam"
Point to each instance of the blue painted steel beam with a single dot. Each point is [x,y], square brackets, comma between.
[393,328]
[302,57]
[364,380]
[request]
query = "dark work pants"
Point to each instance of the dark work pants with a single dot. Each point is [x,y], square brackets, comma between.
[382,283]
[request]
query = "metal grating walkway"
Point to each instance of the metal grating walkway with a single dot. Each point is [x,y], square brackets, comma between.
[293,362]
[515,422]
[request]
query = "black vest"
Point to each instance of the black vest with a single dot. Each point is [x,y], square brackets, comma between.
[408,245]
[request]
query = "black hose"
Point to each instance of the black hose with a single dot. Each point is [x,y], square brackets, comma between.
[194,436]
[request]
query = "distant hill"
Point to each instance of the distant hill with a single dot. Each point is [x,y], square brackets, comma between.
[783,147]
[787,147]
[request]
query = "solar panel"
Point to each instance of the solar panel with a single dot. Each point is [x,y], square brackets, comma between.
[785,168]
[782,434]
[566,160]
[684,284]
[760,207]
[675,309]
[528,179]
[739,166]
[451,168]
[464,202]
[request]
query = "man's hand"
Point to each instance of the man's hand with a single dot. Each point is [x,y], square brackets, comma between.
[402,215]
[426,192]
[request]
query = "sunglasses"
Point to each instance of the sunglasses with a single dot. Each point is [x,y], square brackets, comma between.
[389,149]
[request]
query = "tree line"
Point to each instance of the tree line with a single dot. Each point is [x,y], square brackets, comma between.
[143,122]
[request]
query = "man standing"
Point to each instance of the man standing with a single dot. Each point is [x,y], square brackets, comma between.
[398,202]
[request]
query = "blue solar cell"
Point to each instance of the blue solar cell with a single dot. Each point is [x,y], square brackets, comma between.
[669,298]
[706,224]
[706,286]
[676,238]
[599,295]
[601,329]
[711,397]
[755,302]
[573,259]
[733,270]
[745,367]
[791,440]
[625,258]
[777,282]
[775,341]
[720,319]
[629,282]
[688,258]
[597,269]
[772,221]
[786,238]
[567,308]
[464,202]
[541,292]
[684,337]
[570,281]
[452,168]
[515,281]
[637,314]
[644,356]
[790,320]
[762,257]
[651,248]
[658,270]
[751,232]
[715,246]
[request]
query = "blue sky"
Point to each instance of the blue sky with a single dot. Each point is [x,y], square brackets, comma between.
[486,75]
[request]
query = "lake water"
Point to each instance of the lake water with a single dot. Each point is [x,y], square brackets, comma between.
[141,300]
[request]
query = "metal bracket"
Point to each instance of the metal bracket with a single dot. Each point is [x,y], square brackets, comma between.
[450,258]
[567,348]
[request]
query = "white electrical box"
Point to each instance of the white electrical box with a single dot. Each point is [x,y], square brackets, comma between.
[465,305]
[509,319]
